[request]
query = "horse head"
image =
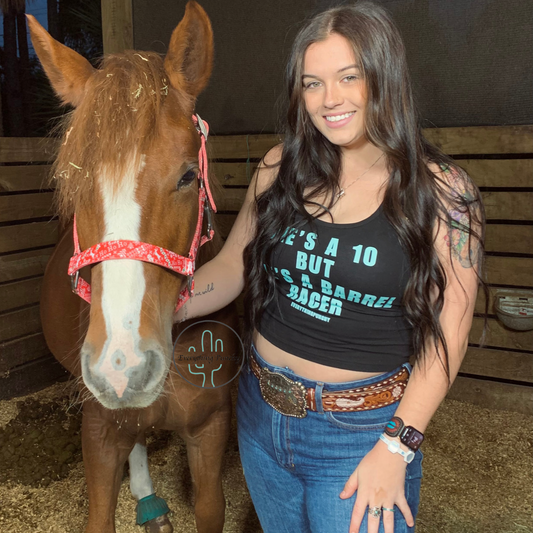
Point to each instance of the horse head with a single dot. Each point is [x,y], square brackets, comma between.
[127,169]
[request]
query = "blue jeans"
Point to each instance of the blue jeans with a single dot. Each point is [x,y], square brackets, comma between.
[295,468]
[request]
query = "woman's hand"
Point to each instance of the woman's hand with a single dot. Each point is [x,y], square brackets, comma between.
[379,481]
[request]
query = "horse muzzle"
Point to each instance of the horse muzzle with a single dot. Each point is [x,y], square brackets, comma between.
[122,380]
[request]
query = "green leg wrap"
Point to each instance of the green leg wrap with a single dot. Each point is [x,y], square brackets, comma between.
[150,507]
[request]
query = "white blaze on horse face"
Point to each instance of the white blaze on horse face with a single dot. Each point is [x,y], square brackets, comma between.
[123,281]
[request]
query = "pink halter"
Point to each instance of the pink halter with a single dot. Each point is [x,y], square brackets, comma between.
[149,253]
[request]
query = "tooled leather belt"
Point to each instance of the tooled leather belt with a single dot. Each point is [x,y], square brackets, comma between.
[291,398]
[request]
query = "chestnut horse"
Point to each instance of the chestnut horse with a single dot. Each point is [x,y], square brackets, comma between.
[127,170]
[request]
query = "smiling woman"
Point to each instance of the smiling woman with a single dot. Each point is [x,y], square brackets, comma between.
[348,250]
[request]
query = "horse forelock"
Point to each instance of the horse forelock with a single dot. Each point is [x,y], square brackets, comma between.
[116,122]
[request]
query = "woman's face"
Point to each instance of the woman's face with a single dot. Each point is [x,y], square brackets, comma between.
[334,91]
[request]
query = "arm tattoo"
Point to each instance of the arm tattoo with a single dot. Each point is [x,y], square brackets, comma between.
[210,287]
[463,245]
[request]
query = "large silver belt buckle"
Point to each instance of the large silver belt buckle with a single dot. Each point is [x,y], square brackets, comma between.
[283,394]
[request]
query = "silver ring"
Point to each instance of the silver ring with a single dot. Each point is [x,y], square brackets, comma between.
[386,509]
[374,511]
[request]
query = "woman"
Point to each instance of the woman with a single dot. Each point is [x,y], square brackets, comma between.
[358,246]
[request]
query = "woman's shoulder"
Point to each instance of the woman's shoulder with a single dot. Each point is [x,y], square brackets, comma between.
[268,169]
[453,182]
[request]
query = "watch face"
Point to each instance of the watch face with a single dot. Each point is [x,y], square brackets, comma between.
[412,438]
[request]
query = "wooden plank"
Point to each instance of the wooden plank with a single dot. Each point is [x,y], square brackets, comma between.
[20,293]
[499,172]
[19,323]
[498,205]
[482,139]
[20,351]
[24,178]
[229,174]
[485,172]
[501,364]
[241,146]
[22,206]
[498,336]
[480,302]
[509,270]
[493,395]
[33,235]
[457,141]
[508,205]
[117,25]
[508,238]
[27,149]
[24,264]
[231,199]
[32,377]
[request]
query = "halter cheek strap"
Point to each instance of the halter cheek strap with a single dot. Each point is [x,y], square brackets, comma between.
[149,253]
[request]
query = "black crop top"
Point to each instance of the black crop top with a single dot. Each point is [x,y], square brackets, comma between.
[339,293]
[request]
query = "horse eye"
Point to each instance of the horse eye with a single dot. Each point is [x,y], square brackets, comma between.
[186,179]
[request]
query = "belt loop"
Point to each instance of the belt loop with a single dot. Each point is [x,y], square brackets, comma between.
[318,397]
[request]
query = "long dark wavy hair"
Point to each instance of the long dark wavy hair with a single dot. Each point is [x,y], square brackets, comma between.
[415,198]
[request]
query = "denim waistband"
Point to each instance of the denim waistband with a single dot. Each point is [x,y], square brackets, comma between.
[330,386]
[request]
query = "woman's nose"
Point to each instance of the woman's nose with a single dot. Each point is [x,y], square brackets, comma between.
[333,96]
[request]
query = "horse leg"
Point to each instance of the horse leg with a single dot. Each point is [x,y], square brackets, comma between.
[205,451]
[105,450]
[143,491]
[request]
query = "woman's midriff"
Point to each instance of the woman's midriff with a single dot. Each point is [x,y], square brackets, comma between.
[307,369]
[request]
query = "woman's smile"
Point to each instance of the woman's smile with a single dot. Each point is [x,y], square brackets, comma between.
[337,121]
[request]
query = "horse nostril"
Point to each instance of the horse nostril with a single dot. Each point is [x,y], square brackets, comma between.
[153,367]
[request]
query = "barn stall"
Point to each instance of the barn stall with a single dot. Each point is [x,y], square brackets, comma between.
[40,469]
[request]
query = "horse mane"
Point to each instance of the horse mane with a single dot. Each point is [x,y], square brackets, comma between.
[114,124]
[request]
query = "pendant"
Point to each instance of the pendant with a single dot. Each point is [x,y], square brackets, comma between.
[341,193]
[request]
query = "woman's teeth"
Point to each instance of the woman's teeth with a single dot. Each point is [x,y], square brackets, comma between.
[336,118]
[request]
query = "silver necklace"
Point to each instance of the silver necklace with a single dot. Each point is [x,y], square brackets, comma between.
[340,194]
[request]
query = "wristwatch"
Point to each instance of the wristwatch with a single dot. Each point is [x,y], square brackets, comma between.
[409,436]
[394,447]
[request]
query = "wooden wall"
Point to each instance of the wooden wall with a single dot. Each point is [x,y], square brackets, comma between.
[500,160]
[28,233]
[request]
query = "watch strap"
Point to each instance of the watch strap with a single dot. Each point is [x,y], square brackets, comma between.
[394,447]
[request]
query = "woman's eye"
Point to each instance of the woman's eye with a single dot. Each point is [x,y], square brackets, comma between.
[312,85]
[186,179]
[350,78]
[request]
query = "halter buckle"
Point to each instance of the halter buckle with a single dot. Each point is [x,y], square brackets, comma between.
[74,279]
[189,284]
[207,210]
[201,126]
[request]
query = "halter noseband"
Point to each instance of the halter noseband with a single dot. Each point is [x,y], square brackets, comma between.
[149,253]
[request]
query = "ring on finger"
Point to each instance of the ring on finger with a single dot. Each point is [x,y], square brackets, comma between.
[374,511]
[387,509]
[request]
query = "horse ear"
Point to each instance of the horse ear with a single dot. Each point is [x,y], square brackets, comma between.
[67,70]
[189,59]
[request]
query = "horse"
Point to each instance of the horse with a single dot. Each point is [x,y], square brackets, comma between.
[130,176]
